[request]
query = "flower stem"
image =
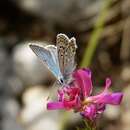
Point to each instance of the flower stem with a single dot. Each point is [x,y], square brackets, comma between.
[90,125]
[64,119]
[96,34]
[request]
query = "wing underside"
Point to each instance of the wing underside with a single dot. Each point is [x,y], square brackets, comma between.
[66,49]
[48,55]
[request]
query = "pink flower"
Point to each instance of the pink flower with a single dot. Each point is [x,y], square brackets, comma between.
[77,96]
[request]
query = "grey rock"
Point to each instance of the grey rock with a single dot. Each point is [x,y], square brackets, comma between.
[28,67]
[11,124]
[112,112]
[10,108]
[9,111]
[64,12]
[5,71]
[4,62]
[15,84]
[125,73]
[35,114]
[125,113]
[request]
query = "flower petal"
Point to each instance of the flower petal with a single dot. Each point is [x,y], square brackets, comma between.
[89,112]
[72,103]
[55,105]
[60,95]
[108,83]
[83,80]
[107,98]
[113,99]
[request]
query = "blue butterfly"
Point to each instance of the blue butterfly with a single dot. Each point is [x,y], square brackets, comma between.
[59,59]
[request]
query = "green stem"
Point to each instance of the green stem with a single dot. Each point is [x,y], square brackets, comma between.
[89,52]
[64,119]
[96,34]
[90,125]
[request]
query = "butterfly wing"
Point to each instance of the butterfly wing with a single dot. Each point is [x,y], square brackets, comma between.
[62,43]
[66,54]
[48,55]
[70,56]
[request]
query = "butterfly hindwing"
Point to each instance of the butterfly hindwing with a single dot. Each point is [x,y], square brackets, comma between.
[62,43]
[66,54]
[70,56]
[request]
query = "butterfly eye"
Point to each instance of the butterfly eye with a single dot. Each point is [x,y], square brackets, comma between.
[61,81]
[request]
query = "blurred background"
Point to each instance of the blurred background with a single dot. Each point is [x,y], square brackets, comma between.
[102,31]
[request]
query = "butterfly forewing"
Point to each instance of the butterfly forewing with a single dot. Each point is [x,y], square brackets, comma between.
[48,55]
[53,50]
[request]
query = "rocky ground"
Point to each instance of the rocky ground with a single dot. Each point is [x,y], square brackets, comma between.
[25,83]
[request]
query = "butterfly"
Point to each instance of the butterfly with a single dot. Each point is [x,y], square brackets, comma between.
[59,58]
